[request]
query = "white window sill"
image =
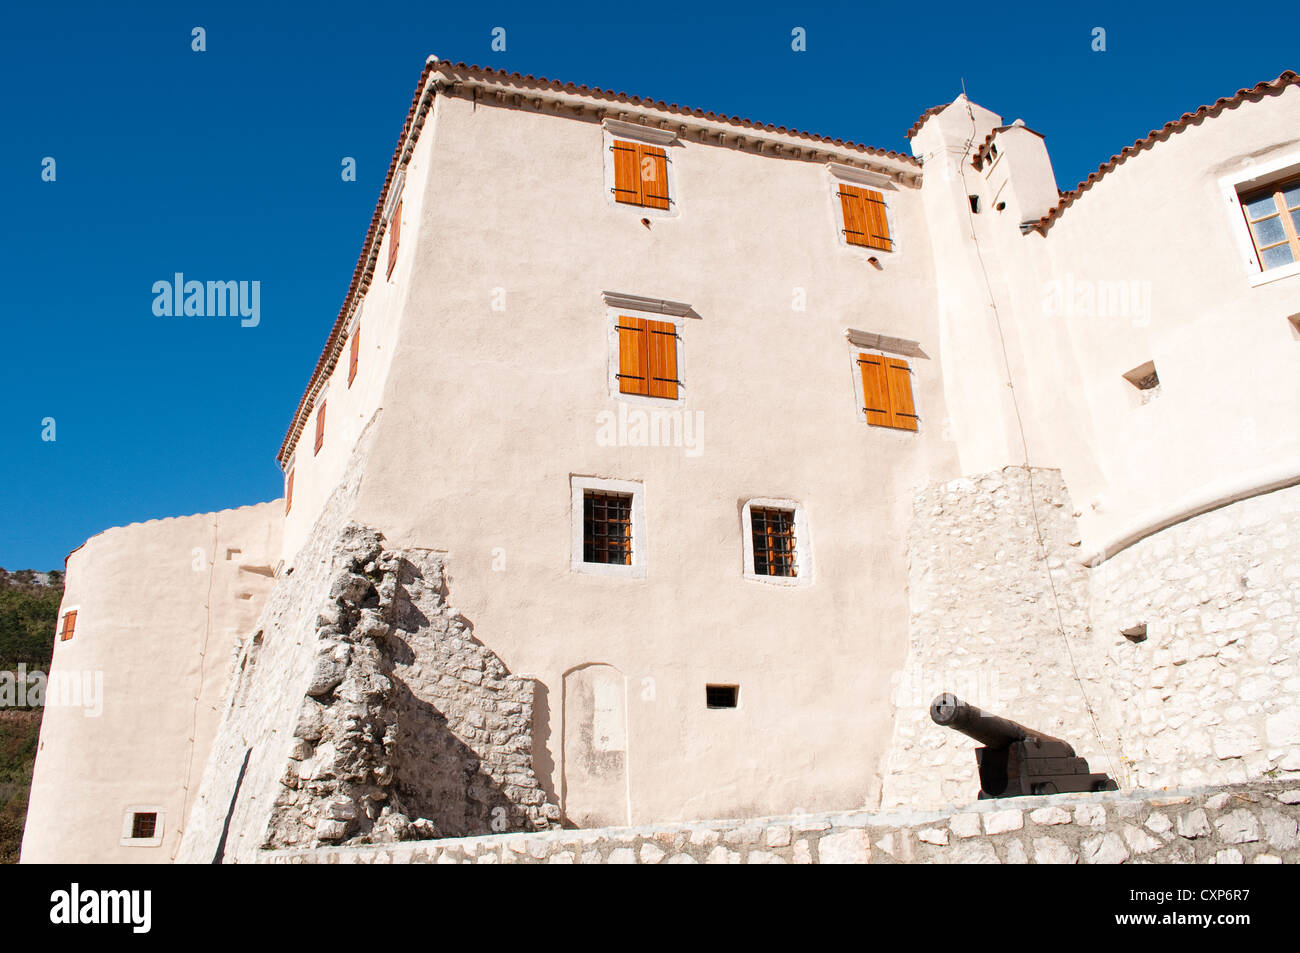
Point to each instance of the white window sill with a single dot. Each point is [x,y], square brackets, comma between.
[1273,274]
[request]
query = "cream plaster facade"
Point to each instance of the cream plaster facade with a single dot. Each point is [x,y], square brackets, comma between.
[483,390]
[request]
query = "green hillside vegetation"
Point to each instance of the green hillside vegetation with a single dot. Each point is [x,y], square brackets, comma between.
[28,612]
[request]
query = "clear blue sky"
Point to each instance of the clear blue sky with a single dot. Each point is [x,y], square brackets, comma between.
[225,165]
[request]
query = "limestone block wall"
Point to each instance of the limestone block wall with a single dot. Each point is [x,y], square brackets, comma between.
[1257,823]
[1210,693]
[984,623]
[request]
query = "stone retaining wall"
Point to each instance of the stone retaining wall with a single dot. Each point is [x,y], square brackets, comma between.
[1206,689]
[1255,823]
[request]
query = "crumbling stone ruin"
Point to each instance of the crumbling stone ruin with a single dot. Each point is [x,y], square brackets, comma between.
[410,728]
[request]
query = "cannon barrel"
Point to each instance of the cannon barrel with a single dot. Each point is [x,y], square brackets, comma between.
[989,730]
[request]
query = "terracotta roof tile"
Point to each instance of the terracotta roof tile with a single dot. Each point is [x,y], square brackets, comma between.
[1266,88]
[596,92]
[326,362]
[916,126]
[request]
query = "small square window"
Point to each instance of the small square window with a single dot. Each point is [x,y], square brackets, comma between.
[607,528]
[721,696]
[774,542]
[144,826]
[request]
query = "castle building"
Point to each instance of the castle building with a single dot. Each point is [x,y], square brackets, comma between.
[663,465]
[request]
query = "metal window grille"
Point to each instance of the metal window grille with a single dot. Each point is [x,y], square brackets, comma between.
[144,825]
[607,528]
[774,544]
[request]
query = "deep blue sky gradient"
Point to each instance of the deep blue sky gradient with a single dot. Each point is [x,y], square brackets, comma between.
[225,165]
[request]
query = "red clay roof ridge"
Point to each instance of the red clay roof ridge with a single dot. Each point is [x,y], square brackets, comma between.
[1258,91]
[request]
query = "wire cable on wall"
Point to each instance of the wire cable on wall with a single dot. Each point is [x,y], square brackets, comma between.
[1024,443]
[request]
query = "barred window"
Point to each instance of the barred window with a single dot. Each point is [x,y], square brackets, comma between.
[607,528]
[143,826]
[774,542]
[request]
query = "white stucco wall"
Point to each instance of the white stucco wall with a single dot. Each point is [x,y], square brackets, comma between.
[160,607]
[1224,349]
[489,413]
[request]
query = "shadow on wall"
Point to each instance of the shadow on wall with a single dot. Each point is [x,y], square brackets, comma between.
[411,727]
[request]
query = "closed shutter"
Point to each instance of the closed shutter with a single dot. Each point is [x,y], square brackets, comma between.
[69,625]
[865,220]
[652,164]
[627,173]
[877,220]
[887,391]
[394,236]
[900,394]
[320,426]
[352,358]
[633,367]
[661,340]
[288,494]
[855,220]
[647,357]
[875,389]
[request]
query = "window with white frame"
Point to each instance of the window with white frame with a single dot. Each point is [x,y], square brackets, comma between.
[645,348]
[639,171]
[776,544]
[1265,201]
[862,207]
[608,535]
[142,826]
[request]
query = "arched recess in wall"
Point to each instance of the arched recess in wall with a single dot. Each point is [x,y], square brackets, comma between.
[594,788]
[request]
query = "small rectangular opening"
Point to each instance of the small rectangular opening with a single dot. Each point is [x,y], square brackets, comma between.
[143,826]
[721,696]
[1144,377]
[974,203]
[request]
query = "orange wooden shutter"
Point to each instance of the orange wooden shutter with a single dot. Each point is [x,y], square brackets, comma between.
[627,173]
[661,343]
[652,168]
[352,359]
[288,494]
[320,427]
[633,369]
[903,413]
[69,625]
[855,217]
[873,204]
[865,220]
[395,229]
[875,389]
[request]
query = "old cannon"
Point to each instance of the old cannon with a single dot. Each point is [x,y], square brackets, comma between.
[1015,760]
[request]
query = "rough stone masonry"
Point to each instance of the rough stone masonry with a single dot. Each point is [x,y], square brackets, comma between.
[1173,663]
[409,728]
[1255,823]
